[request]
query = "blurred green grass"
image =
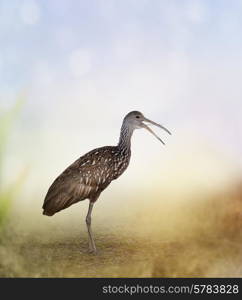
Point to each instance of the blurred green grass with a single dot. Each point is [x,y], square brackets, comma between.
[7,194]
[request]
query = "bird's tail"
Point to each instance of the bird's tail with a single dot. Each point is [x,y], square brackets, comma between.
[48,213]
[48,209]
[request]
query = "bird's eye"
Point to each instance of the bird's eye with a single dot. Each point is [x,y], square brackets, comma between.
[137,117]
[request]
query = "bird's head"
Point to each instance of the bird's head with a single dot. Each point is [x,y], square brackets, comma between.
[136,120]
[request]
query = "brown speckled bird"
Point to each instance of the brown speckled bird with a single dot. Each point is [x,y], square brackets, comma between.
[88,176]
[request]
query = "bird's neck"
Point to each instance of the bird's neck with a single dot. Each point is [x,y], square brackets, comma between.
[125,137]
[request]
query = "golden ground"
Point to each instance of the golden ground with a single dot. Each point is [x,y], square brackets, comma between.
[195,240]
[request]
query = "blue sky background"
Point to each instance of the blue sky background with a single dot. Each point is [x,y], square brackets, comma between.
[82,65]
[50,30]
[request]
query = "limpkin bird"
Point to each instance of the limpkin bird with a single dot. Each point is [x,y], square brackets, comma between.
[89,175]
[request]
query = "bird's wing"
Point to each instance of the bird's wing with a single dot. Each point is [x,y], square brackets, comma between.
[67,189]
[80,180]
[83,178]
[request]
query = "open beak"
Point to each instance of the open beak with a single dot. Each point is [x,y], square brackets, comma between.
[151,131]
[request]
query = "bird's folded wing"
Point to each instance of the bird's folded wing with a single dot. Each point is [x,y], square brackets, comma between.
[66,190]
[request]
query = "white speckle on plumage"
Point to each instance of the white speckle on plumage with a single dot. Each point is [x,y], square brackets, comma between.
[81,188]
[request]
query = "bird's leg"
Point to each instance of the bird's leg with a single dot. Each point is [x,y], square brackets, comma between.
[92,247]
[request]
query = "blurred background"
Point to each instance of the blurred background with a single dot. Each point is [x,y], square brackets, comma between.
[69,72]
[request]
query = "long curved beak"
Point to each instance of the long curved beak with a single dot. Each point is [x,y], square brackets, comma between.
[151,131]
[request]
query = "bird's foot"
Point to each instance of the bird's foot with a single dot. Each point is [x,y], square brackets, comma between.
[89,251]
[92,251]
